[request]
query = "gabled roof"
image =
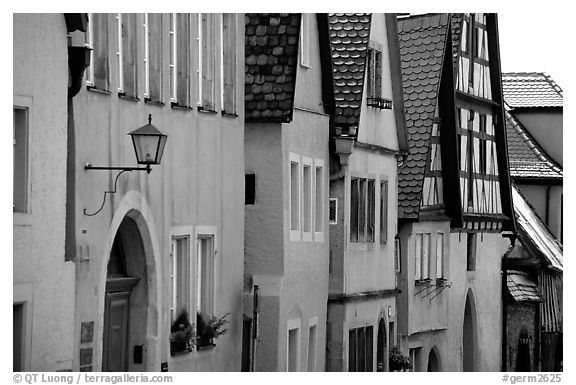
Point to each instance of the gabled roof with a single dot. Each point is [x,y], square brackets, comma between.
[535,235]
[521,287]
[531,89]
[271,57]
[349,35]
[526,157]
[422,45]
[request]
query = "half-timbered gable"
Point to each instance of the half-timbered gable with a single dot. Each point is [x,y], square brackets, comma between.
[455,102]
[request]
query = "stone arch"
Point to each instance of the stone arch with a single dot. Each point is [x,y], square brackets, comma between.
[133,219]
[434,363]
[469,335]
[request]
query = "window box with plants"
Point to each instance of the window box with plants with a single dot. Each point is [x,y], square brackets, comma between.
[209,328]
[397,361]
[182,338]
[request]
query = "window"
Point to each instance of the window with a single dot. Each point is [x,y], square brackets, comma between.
[20,164]
[374,79]
[305,41]
[416,359]
[422,256]
[333,211]
[180,275]
[360,349]
[482,144]
[470,252]
[250,189]
[383,212]
[307,198]
[465,35]
[126,54]
[362,210]
[397,255]
[294,196]
[312,348]
[293,346]
[18,328]
[98,73]
[153,57]
[440,255]
[391,333]
[205,274]
[206,60]
[180,59]
[319,201]
[228,63]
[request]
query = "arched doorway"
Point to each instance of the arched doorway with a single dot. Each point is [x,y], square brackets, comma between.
[433,361]
[381,347]
[469,334]
[126,303]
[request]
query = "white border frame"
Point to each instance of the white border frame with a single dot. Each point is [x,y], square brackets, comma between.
[208,231]
[25,102]
[312,322]
[179,232]
[307,162]
[319,235]
[293,324]
[294,234]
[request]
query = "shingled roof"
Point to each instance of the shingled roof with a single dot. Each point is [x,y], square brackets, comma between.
[271,57]
[422,45]
[531,89]
[349,35]
[527,158]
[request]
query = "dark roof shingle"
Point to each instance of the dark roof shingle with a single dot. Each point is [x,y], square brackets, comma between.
[349,35]
[422,43]
[271,57]
[531,89]
[526,157]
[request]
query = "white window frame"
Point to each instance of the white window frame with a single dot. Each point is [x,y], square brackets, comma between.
[307,235]
[426,243]
[305,40]
[19,217]
[119,55]
[319,235]
[173,65]
[312,322]
[205,232]
[418,241]
[220,23]
[89,43]
[146,57]
[23,294]
[199,67]
[293,324]
[295,233]
[175,233]
[440,265]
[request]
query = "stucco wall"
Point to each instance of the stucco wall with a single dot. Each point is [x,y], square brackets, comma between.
[536,197]
[199,183]
[41,278]
[546,128]
[485,287]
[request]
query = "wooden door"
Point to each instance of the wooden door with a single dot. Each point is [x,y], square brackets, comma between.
[115,355]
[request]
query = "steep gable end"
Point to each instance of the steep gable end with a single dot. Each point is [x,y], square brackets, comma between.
[422,45]
[271,57]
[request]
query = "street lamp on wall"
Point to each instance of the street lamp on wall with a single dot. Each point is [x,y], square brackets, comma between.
[148,144]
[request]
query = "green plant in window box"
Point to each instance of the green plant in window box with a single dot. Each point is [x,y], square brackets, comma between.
[182,338]
[208,328]
[397,361]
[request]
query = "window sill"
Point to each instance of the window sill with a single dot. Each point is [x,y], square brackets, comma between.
[204,110]
[229,114]
[21,219]
[177,106]
[441,281]
[123,96]
[153,103]
[424,281]
[205,347]
[98,90]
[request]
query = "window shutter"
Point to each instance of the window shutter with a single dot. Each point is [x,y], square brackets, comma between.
[129,53]
[100,53]
[208,56]
[183,59]
[229,61]
[155,56]
[354,210]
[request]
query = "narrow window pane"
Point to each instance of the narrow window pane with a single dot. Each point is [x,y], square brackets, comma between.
[371,210]
[354,210]
[20,140]
[440,255]
[369,349]
[352,347]
[208,61]
[182,269]
[229,62]
[319,208]
[294,196]
[362,211]
[128,84]
[100,55]
[361,349]
[312,349]
[418,257]
[426,256]
[307,198]
[155,57]
[378,74]
[471,252]
[207,272]
[293,350]
[183,59]
[383,212]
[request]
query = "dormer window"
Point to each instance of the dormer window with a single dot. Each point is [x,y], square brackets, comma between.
[374,79]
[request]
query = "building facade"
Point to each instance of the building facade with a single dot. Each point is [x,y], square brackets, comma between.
[454,193]
[367,136]
[170,241]
[43,280]
[286,165]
